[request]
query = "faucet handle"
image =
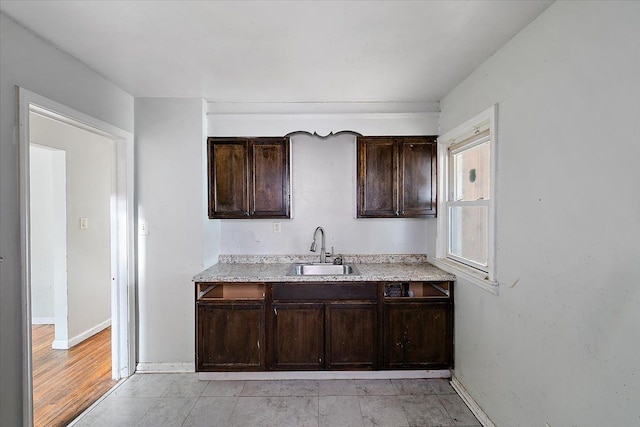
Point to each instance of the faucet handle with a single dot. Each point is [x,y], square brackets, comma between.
[329,254]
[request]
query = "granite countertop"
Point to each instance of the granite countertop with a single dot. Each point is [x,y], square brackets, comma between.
[275,268]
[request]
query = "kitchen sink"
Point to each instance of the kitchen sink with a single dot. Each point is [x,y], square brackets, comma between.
[323,270]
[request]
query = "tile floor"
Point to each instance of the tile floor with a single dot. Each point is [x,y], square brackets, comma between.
[183,400]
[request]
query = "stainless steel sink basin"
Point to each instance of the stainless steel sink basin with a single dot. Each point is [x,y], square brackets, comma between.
[323,270]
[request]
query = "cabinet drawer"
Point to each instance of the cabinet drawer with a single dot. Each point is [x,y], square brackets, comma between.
[324,291]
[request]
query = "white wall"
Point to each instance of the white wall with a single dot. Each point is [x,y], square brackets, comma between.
[324,193]
[89,171]
[48,230]
[30,62]
[560,344]
[172,202]
[323,175]
[365,118]
[182,241]
[171,193]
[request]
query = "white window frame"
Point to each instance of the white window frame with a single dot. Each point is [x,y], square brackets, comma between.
[487,120]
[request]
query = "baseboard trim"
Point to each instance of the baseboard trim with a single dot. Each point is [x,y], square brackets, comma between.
[323,375]
[67,344]
[43,320]
[471,403]
[60,345]
[160,368]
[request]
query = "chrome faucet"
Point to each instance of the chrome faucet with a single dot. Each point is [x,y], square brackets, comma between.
[323,252]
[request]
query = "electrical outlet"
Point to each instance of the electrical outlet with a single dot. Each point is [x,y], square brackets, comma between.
[276,228]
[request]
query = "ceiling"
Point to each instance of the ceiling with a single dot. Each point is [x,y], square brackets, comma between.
[280,51]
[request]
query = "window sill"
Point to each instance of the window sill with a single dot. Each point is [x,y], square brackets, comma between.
[467,273]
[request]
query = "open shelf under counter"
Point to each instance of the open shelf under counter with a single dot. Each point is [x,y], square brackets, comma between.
[416,290]
[230,291]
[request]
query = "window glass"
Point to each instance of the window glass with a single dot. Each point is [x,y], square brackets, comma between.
[468,237]
[471,168]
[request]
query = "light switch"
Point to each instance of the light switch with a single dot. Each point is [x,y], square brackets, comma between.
[143,228]
[84,223]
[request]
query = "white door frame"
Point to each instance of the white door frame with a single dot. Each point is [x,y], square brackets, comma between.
[123,307]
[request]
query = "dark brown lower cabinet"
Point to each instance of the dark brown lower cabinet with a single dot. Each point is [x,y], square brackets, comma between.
[318,326]
[418,335]
[230,336]
[332,335]
[298,336]
[352,339]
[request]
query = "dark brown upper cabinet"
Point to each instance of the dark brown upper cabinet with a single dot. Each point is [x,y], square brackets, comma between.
[249,178]
[397,177]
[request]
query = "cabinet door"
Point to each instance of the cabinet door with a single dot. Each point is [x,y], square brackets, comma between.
[351,341]
[377,177]
[298,336]
[230,336]
[269,176]
[417,177]
[228,183]
[418,335]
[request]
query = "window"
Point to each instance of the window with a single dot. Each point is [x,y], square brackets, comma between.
[466,225]
[468,201]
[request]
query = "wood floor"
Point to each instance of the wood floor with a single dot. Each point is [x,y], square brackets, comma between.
[66,382]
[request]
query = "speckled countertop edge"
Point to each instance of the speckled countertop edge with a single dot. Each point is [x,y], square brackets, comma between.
[275,268]
[348,258]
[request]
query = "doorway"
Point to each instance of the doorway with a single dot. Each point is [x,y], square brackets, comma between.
[71,187]
[115,223]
